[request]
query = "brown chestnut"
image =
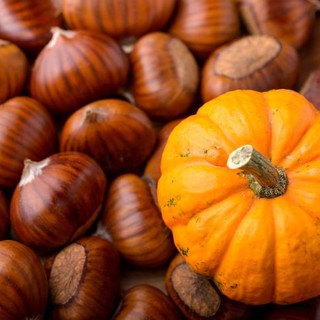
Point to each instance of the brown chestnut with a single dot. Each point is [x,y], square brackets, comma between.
[311,88]
[291,21]
[204,25]
[144,301]
[57,200]
[117,134]
[14,70]
[75,68]
[256,62]
[165,76]
[23,282]
[27,130]
[197,297]
[132,221]
[27,23]
[84,280]
[119,19]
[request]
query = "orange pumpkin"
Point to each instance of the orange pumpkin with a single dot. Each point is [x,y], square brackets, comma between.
[249,219]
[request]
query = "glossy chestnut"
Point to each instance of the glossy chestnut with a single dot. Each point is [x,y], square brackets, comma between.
[75,68]
[291,21]
[23,282]
[27,130]
[57,200]
[204,25]
[165,76]
[117,134]
[27,23]
[84,280]
[121,20]
[144,301]
[132,221]
[14,70]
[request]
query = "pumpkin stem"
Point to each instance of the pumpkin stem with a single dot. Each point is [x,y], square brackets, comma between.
[266,180]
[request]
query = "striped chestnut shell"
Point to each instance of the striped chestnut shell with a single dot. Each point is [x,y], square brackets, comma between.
[256,62]
[27,23]
[114,132]
[120,19]
[204,25]
[57,200]
[27,130]
[131,219]
[84,280]
[23,282]
[14,70]
[76,68]
[165,76]
[291,21]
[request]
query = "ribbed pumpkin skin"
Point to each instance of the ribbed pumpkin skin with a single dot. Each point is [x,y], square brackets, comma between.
[257,250]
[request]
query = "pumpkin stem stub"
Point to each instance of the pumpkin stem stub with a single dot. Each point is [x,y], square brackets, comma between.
[266,180]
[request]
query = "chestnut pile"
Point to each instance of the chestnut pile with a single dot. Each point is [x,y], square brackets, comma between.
[89,93]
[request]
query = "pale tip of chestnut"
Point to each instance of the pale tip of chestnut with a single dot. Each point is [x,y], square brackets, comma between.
[31,170]
[127,44]
[102,232]
[58,32]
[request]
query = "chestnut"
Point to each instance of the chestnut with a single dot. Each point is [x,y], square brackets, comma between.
[121,20]
[131,219]
[165,76]
[290,21]
[27,23]
[204,25]
[57,200]
[197,297]
[14,70]
[23,282]
[75,68]
[27,130]
[256,62]
[144,301]
[311,88]
[84,280]
[117,134]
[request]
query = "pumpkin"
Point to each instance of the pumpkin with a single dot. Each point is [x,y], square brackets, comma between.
[240,191]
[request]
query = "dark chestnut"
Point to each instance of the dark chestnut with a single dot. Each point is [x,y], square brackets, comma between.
[57,200]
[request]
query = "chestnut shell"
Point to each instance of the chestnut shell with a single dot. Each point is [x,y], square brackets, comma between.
[118,135]
[57,200]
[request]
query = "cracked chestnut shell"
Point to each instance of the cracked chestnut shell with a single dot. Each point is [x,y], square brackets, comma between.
[57,200]
[144,301]
[197,297]
[84,280]
[131,219]
[23,282]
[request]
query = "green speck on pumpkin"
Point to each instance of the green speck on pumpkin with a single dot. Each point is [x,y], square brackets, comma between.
[183,251]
